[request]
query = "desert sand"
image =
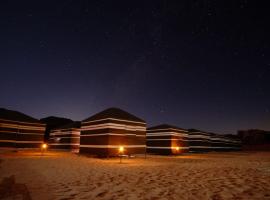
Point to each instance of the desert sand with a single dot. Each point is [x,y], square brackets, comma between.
[64,176]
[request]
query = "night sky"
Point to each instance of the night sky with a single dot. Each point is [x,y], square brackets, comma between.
[194,64]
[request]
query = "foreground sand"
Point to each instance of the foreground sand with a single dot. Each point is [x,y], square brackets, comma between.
[27,175]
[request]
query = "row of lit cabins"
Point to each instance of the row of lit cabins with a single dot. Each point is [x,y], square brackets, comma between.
[104,133]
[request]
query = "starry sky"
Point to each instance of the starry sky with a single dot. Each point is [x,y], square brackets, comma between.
[201,64]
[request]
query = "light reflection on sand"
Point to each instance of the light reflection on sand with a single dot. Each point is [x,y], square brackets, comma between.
[62,175]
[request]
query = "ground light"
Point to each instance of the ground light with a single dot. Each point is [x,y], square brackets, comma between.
[121,150]
[177,149]
[44,148]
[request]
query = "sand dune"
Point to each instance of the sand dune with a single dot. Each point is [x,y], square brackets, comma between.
[66,176]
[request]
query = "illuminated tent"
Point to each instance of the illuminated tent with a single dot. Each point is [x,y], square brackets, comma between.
[166,139]
[66,137]
[103,133]
[19,130]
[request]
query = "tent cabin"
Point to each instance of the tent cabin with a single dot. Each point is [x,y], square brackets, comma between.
[224,143]
[166,139]
[66,137]
[104,133]
[199,141]
[18,130]
[218,142]
[54,122]
[234,141]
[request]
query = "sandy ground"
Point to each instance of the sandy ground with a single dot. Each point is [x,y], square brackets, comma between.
[64,176]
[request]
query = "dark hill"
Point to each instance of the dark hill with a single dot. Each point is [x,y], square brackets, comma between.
[16,116]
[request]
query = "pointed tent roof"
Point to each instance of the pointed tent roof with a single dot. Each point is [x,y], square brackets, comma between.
[115,113]
[165,126]
[75,124]
[55,122]
[16,116]
[192,130]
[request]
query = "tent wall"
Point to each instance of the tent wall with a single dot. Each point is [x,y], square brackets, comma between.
[104,137]
[21,134]
[204,142]
[199,142]
[65,139]
[222,143]
[165,141]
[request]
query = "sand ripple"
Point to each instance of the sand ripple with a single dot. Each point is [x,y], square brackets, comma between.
[207,176]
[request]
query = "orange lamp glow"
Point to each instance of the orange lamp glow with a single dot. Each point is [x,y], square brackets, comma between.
[121,149]
[177,148]
[44,146]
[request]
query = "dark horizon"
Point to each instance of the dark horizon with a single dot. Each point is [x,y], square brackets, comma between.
[192,64]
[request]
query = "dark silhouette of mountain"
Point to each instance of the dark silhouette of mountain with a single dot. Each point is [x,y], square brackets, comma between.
[255,139]
[16,116]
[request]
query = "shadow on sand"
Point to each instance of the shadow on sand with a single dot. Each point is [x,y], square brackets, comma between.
[10,189]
